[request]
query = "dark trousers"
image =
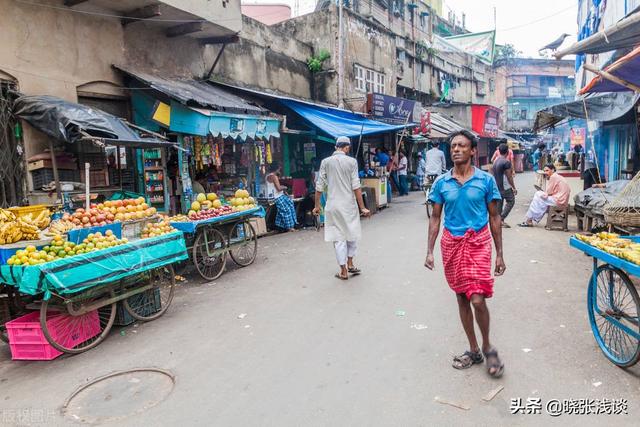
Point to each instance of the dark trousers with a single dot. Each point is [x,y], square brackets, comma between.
[404,185]
[507,203]
[394,180]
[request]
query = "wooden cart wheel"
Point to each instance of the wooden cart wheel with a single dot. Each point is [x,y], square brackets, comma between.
[210,253]
[154,302]
[78,333]
[243,243]
[614,310]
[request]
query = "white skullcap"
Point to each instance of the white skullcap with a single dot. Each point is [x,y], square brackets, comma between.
[342,141]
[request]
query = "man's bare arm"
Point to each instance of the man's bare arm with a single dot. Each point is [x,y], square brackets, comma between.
[495,223]
[434,230]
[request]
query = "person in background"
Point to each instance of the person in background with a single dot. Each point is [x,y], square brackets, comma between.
[367,172]
[538,157]
[510,158]
[403,168]
[286,216]
[420,172]
[557,194]
[392,168]
[197,186]
[338,177]
[381,157]
[591,176]
[435,163]
[501,171]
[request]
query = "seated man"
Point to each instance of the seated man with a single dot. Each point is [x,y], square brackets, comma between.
[557,194]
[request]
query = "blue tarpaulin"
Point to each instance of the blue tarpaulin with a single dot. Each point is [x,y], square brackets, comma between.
[336,122]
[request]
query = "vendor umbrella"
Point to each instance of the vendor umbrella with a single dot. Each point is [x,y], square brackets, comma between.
[622,75]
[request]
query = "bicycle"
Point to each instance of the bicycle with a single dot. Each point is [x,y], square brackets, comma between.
[426,188]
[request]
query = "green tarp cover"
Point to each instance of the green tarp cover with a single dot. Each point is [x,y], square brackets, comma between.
[80,272]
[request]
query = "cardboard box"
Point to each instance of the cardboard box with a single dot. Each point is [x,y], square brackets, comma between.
[260,225]
[48,164]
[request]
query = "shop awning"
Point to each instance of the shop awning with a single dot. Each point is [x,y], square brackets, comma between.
[332,121]
[622,75]
[601,107]
[72,123]
[336,122]
[197,93]
[624,34]
[442,126]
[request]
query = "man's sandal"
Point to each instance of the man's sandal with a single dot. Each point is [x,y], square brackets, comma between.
[354,270]
[341,277]
[494,362]
[467,360]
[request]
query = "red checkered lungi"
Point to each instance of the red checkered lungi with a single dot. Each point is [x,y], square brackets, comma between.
[467,262]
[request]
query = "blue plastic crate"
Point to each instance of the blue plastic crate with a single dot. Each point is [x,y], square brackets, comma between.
[78,235]
[123,318]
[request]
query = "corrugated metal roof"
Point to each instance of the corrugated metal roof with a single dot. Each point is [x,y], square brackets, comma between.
[198,93]
[442,126]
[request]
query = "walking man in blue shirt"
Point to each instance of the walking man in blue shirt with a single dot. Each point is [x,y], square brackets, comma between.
[470,199]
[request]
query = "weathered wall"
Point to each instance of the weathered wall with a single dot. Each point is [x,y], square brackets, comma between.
[266,57]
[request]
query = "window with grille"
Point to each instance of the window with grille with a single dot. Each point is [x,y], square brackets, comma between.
[368,80]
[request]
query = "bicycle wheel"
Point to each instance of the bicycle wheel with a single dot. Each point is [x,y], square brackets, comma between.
[154,302]
[70,330]
[614,307]
[210,253]
[243,243]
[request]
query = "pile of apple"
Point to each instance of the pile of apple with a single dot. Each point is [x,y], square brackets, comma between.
[110,211]
[209,213]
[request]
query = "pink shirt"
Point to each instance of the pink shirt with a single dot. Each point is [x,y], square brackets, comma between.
[496,154]
[559,189]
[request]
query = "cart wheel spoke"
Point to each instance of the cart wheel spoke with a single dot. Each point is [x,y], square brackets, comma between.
[76,334]
[154,302]
[613,304]
[210,253]
[243,243]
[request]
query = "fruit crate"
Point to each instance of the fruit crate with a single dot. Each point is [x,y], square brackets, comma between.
[78,235]
[43,177]
[133,229]
[98,177]
[26,210]
[27,341]
[152,304]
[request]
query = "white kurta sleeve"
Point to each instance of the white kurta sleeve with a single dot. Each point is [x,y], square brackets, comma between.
[355,179]
[321,182]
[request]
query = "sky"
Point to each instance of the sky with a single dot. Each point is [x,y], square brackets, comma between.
[528,25]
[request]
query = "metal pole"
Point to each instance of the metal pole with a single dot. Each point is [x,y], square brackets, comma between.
[340,57]
[87,184]
[56,177]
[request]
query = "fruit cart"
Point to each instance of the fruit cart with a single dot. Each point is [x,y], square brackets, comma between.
[612,299]
[77,295]
[210,240]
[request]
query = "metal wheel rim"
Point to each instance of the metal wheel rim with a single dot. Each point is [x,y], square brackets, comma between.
[624,305]
[246,254]
[210,268]
[142,306]
[85,323]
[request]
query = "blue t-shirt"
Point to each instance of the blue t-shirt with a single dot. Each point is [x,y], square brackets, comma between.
[382,158]
[465,206]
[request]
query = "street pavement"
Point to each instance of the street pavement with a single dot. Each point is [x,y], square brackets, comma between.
[311,350]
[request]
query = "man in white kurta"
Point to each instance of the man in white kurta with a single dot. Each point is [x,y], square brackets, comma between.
[338,177]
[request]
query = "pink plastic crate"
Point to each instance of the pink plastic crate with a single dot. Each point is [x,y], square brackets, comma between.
[27,341]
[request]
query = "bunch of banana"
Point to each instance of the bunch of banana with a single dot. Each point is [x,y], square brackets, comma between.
[6,216]
[41,221]
[10,233]
[60,227]
[29,231]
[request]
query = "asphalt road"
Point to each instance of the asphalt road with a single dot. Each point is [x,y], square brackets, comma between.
[373,351]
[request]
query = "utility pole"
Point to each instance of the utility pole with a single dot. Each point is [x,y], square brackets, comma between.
[340,57]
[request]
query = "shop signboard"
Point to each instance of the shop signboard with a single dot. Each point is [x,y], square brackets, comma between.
[577,136]
[485,120]
[391,109]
